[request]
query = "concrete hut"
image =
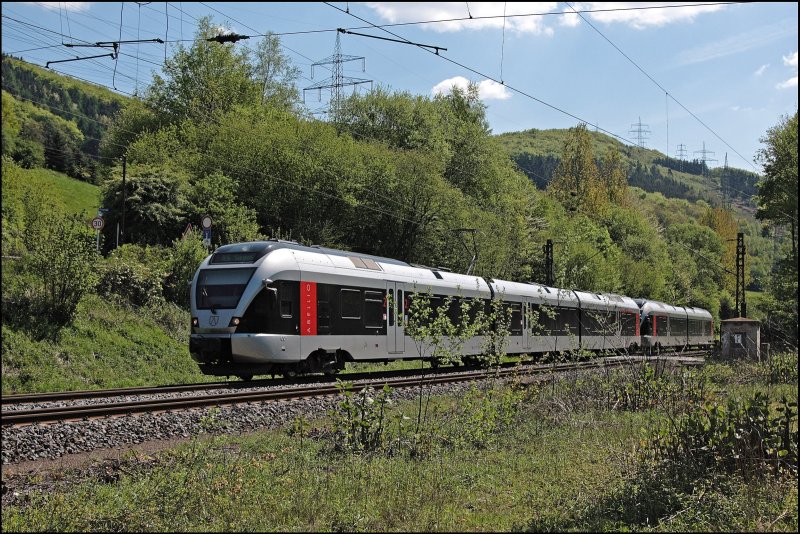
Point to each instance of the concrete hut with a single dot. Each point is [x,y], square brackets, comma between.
[741,337]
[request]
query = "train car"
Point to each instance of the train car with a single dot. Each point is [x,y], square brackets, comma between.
[699,328]
[280,307]
[664,326]
[608,321]
[543,319]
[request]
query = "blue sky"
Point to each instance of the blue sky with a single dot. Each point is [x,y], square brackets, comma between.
[733,66]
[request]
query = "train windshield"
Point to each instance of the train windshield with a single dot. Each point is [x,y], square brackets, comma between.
[221,288]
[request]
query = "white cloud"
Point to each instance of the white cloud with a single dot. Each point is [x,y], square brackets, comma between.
[760,70]
[791,82]
[735,44]
[487,89]
[57,6]
[394,12]
[789,61]
[643,18]
[570,20]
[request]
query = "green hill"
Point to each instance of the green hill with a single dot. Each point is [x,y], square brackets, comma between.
[74,195]
[537,152]
[33,98]
[90,106]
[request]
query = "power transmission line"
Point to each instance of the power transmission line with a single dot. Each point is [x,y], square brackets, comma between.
[657,84]
[337,79]
[640,132]
[463,66]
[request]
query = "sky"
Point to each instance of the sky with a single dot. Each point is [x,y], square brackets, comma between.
[695,76]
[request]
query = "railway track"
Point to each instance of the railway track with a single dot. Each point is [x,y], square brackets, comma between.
[439,376]
[23,398]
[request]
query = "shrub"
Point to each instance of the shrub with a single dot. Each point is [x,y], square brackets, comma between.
[740,436]
[358,421]
[133,281]
[186,256]
[483,415]
[782,368]
[54,276]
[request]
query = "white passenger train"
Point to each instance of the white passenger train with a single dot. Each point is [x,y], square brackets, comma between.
[277,307]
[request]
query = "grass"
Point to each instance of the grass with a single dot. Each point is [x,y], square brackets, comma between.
[77,197]
[108,345]
[560,463]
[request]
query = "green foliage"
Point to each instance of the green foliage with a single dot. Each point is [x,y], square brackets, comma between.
[741,436]
[359,420]
[202,81]
[185,257]
[130,274]
[36,137]
[275,74]
[54,275]
[215,195]
[781,368]
[777,199]
[154,206]
[577,183]
[483,416]
[85,107]
[777,192]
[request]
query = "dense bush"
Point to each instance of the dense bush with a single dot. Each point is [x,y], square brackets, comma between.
[52,278]
[133,281]
[741,436]
[185,257]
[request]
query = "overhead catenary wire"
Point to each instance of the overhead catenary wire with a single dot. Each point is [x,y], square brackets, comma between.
[658,85]
[461,19]
[475,71]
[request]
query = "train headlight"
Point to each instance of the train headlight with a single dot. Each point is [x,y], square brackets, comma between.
[235,322]
[195,322]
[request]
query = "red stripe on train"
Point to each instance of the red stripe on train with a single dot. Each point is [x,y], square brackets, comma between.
[308,308]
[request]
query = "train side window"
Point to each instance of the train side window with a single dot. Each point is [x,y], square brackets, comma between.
[285,291]
[351,304]
[392,305]
[400,308]
[373,309]
[516,319]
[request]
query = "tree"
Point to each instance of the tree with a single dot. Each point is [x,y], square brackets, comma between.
[777,203]
[777,192]
[613,176]
[203,81]
[576,182]
[275,74]
[155,205]
[215,195]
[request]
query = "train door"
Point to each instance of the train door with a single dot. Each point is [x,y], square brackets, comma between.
[526,325]
[395,320]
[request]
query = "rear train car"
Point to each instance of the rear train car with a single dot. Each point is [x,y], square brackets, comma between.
[668,327]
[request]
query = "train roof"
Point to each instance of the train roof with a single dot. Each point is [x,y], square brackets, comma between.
[551,296]
[378,266]
[698,313]
[605,301]
[257,249]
